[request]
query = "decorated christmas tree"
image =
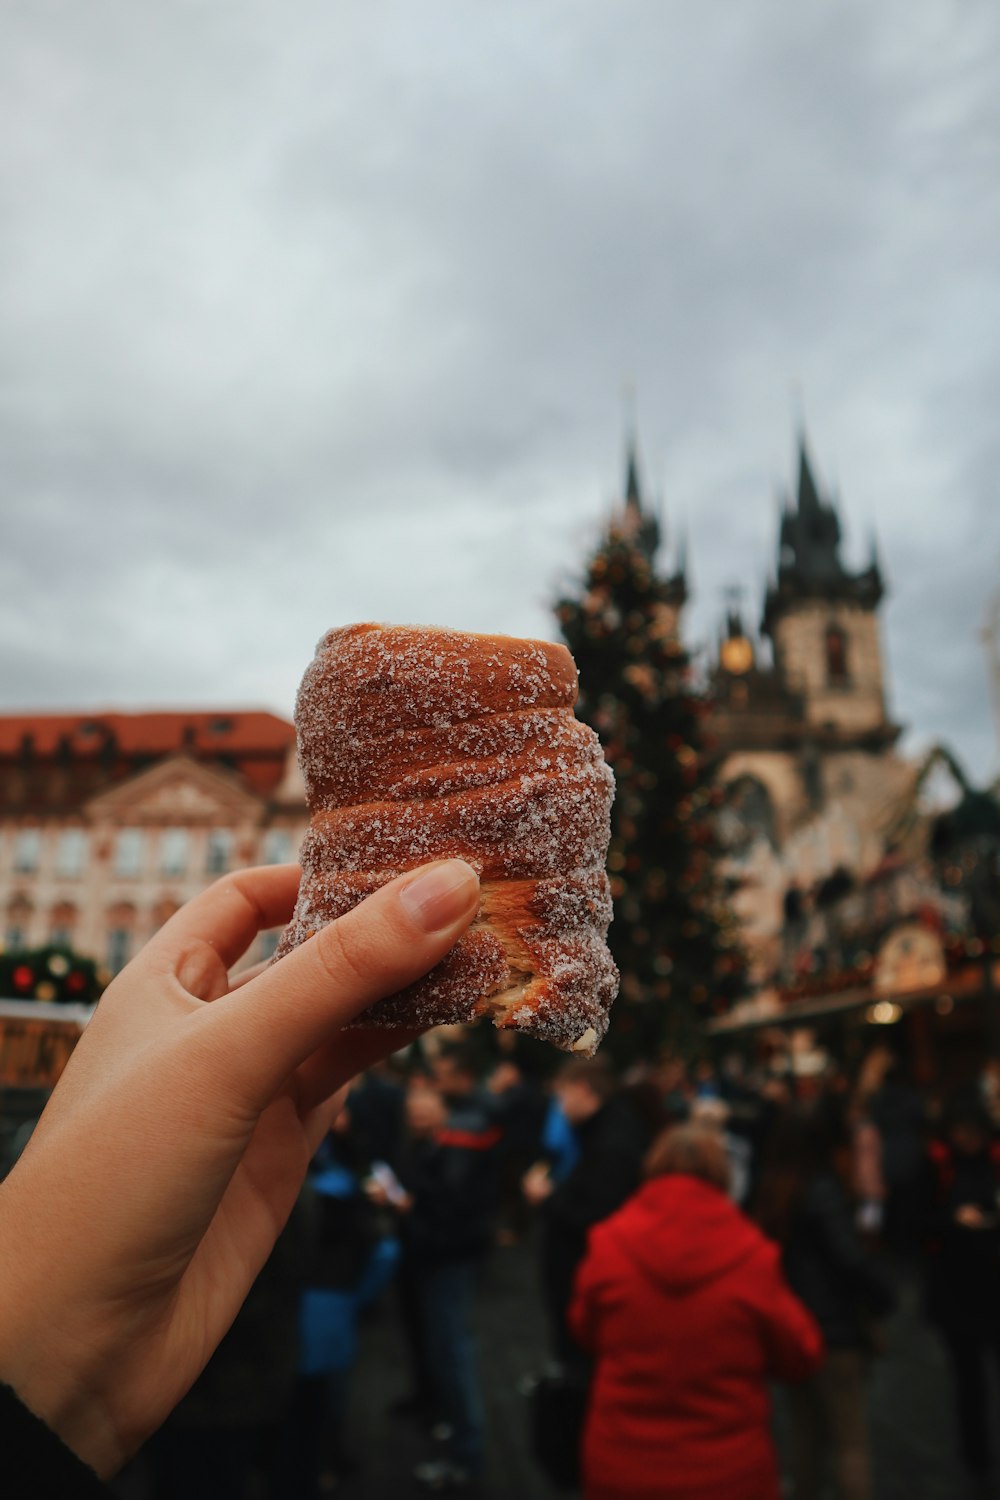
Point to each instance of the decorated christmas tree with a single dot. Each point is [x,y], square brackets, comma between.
[673,937]
[54,974]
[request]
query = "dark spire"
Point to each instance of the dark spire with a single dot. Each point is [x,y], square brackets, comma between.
[633,498]
[638,524]
[809,562]
[808,502]
[809,542]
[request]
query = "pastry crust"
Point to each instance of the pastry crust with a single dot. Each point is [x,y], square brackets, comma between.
[419,744]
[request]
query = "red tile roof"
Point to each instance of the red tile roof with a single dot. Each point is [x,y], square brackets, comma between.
[100,749]
[215,731]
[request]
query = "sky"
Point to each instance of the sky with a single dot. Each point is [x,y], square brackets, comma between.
[313,312]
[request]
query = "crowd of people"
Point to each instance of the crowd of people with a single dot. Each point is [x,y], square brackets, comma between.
[699,1235]
[699,1238]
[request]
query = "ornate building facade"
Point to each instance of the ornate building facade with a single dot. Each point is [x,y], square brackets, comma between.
[109,822]
[800,719]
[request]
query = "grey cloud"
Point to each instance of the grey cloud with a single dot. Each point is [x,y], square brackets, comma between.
[310,313]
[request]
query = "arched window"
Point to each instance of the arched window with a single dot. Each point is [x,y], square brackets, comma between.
[120,935]
[747,814]
[62,924]
[17,929]
[836,655]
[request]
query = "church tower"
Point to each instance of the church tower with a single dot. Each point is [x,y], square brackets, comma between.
[822,621]
[636,521]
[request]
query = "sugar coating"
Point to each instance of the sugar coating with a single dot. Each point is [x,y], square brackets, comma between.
[418,744]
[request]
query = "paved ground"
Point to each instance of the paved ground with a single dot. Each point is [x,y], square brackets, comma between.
[911,1417]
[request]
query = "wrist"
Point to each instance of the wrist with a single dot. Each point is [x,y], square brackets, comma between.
[38,1342]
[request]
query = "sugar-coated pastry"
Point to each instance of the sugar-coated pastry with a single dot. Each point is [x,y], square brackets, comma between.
[419,744]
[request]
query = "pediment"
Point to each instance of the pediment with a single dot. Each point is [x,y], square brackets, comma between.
[178,790]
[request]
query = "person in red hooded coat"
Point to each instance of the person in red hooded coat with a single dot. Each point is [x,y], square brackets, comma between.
[681,1301]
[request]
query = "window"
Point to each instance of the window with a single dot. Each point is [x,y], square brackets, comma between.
[28,851]
[62,922]
[71,853]
[219,853]
[277,846]
[836,655]
[746,816]
[174,851]
[129,851]
[119,948]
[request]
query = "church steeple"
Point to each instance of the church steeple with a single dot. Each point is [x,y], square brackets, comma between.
[633,499]
[638,524]
[809,545]
[821,617]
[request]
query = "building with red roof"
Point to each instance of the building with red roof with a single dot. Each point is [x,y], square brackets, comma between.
[110,821]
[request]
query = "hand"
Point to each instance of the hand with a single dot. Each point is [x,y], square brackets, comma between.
[537,1184]
[173,1149]
[970,1216]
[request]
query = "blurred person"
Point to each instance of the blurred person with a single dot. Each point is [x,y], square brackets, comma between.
[522,1110]
[671,1078]
[377,1113]
[715,1114]
[606,1170]
[172,1151]
[963,1267]
[867,1176]
[681,1302]
[447,1223]
[804,1203]
[351,1259]
[898,1112]
[222,1440]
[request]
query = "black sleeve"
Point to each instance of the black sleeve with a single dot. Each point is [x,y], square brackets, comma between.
[595,1188]
[36,1464]
[849,1257]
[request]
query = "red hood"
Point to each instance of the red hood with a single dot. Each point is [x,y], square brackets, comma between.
[683,1232]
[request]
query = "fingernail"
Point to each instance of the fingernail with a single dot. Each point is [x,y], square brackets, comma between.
[439,895]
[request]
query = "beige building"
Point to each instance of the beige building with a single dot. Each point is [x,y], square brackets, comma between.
[108,822]
[812,775]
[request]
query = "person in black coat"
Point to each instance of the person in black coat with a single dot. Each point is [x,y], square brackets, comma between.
[447,1221]
[804,1204]
[963,1265]
[607,1171]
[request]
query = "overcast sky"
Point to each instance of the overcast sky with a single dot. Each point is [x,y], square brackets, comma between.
[321,310]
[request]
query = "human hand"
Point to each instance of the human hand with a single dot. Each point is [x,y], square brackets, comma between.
[970,1216]
[173,1149]
[537,1184]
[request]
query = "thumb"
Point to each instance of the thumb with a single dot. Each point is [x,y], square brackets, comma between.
[277,1020]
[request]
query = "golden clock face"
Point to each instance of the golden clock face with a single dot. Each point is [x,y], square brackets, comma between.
[737,654]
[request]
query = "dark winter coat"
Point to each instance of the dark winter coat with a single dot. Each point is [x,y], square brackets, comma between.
[682,1303]
[828,1266]
[606,1172]
[453,1179]
[963,1275]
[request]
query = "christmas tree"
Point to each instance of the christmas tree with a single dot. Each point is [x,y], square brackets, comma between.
[54,973]
[673,937]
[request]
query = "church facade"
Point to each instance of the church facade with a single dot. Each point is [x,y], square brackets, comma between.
[801,724]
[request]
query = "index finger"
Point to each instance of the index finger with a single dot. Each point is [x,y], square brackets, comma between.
[231,912]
